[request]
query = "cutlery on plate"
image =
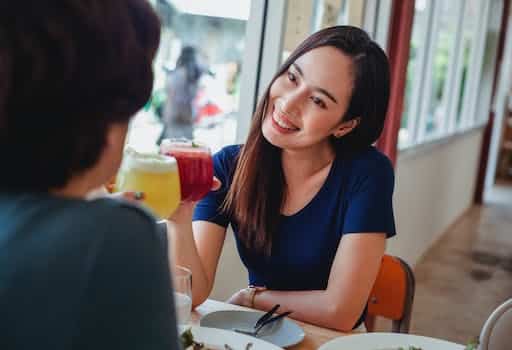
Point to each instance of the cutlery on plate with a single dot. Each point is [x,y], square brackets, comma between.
[266,316]
[254,332]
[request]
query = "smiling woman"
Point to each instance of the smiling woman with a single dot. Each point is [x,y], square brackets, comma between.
[308,197]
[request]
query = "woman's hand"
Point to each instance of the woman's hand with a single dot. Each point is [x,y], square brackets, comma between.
[245,297]
[183,214]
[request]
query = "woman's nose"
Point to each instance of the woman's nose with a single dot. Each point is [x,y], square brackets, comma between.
[293,101]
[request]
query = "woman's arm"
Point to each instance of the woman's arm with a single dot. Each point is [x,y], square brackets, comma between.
[196,246]
[351,278]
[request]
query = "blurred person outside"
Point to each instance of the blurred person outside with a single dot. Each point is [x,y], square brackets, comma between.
[182,85]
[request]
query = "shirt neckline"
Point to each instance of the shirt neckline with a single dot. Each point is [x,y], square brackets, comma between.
[322,189]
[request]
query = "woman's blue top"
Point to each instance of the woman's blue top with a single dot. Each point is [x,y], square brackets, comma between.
[355,198]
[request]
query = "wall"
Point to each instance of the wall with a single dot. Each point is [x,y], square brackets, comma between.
[434,186]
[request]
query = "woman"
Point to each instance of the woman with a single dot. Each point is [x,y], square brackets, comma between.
[308,196]
[73,73]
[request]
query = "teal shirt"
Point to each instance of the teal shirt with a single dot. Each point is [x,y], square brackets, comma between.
[80,274]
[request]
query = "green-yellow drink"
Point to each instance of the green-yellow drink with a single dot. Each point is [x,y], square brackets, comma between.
[155,175]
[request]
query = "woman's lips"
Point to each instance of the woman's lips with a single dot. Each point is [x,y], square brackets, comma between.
[280,120]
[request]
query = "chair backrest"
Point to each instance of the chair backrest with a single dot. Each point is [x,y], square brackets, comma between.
[497,331]
[392,295]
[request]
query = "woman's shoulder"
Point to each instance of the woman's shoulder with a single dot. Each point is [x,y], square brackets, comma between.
[371,159]
[227,156]
[230,151]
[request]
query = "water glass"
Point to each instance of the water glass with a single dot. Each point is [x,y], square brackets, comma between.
[182,283]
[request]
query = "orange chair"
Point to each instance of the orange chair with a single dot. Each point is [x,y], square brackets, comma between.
[392,295]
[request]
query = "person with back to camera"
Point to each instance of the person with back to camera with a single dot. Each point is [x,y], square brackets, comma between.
[76,274]
[308,196]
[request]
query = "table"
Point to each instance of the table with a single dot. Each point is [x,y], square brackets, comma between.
[315,336]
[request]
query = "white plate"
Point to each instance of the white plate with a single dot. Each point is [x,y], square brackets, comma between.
[282,333]
[378,341]
[215,339]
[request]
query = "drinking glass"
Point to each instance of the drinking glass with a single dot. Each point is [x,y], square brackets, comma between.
[182,283]
[195,166]
[155,175]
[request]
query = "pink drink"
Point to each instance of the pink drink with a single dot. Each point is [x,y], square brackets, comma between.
[195,167]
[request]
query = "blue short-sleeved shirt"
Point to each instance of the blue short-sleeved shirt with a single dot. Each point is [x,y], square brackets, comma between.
[356,197]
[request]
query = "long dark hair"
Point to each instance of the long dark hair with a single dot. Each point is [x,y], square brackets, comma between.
[256,194]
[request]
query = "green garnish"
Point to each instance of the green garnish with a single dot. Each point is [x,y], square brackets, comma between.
[195,144]
[187,339]
[472,344]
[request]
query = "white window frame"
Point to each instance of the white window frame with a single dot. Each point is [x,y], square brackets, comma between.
[475,67]
[440,131]
[456,74]
[426,88]
[417,88]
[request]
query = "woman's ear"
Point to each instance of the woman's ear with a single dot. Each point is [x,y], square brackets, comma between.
[346,127]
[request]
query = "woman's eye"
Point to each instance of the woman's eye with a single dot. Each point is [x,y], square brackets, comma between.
[318,102]
[291,77]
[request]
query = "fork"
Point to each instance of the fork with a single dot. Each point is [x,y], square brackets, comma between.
[267,315]
[255,331]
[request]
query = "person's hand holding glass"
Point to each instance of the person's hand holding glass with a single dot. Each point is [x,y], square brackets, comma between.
[154,175]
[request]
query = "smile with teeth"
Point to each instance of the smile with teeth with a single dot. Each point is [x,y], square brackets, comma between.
[283,123]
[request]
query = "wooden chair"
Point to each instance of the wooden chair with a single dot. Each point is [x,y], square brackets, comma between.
[392,295]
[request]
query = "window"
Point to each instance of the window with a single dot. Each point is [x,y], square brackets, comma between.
[444,69]
[198,72]
[441,61]
[417,57]
[471,16]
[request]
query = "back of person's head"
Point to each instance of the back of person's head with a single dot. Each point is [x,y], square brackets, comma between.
[68,70]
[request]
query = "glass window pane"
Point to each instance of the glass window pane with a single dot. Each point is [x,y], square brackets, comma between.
[308,16]
[471,14]
[414,71]
[444,39]
[197,73]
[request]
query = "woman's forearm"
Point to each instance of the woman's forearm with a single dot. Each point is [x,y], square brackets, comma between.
[317,307]
[184,253]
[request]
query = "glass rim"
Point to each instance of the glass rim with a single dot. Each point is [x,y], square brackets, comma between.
[184,143]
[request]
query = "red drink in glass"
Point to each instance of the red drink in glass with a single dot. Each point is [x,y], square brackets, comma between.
[195,167]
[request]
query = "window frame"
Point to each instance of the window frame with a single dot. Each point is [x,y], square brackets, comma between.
[422,88]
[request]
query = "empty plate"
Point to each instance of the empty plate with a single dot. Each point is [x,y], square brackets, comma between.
[390,341]
[282,333]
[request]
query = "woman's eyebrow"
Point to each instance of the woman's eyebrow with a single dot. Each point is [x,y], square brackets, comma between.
[316,88]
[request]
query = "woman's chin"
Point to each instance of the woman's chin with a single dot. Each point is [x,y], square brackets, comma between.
[270,136]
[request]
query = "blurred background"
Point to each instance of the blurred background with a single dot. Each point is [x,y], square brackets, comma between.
[448,131]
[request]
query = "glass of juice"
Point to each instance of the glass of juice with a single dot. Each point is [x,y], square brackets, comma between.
[195,166]
[182,283]
[155,175]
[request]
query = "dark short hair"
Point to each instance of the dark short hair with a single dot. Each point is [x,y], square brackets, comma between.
[68,70]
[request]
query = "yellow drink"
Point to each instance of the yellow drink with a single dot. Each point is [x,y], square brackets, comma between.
[156,176]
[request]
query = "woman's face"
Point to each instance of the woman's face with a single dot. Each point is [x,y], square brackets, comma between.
[308,101]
